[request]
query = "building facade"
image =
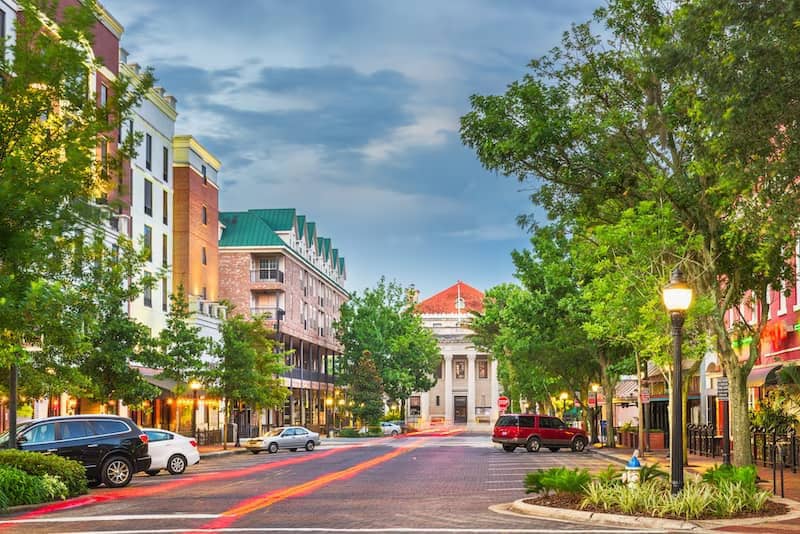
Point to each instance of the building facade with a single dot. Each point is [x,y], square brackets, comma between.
[467,388]
[274,265]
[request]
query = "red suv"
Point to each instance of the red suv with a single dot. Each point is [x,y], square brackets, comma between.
[536,431]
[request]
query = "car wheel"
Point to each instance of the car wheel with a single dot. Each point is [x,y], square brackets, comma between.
[273,448]
[394,433]
[176,464]
[579,444]
[533,445]
[152,472]
[255,451]
[554,449]
[509,448]
[117,472]
[309,446]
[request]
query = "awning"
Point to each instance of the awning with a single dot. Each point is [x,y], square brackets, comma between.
[760,377]
[627,390]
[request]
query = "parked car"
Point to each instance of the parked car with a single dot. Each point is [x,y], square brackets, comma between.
[170,451]
[111,448]
[536,431]
[391,429]
[288,437]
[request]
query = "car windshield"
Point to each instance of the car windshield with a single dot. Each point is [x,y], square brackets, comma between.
[4,435]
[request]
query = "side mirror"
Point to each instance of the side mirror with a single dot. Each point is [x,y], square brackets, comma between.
[21,440]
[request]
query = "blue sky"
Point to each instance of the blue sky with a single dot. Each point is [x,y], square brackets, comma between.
[348,111]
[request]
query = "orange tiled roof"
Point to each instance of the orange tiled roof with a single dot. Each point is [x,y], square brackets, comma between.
[445,301]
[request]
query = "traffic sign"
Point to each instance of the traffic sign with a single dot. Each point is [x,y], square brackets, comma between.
[502,402]
[592,400]
[601,399]
[722,388]
[645,395]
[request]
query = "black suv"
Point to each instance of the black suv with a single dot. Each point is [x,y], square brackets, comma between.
[111,448]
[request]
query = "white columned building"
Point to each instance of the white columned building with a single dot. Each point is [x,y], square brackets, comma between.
[466,390]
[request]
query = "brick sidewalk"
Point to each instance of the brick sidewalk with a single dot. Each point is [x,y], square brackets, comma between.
[699,464]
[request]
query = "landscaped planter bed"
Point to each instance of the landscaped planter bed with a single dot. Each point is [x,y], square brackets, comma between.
[572,501]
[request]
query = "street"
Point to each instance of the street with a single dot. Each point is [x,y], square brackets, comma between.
[417,483]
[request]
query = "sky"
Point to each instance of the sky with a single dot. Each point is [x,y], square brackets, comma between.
[349,112]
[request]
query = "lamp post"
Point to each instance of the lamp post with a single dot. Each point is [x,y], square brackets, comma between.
[328,419]
[195,385]
[677,298]
[563,398]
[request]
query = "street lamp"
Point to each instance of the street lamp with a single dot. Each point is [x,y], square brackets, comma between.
[563,398]
[195,385]
[677,298]
[329,404]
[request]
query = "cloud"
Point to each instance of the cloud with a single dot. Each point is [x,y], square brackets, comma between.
[489,232]
[430,128]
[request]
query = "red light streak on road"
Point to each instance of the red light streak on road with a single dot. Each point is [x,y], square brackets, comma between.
[265,500]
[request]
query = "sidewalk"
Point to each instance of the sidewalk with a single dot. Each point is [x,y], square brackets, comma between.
[699,464]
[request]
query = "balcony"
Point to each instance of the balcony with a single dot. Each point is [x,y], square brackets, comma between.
[307,374]
[266,275]
[273,313]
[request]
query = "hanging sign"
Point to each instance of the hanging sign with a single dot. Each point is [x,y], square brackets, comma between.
[722,388]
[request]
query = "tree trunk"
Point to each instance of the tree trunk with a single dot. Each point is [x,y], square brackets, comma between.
[641,406]
[740,421]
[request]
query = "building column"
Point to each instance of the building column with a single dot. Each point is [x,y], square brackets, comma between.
[470,389]
[495,389]
[425,410]
[448,389]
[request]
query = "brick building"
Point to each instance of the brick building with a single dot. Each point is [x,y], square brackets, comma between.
[273,263]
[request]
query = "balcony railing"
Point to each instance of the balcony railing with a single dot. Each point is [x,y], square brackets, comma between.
[266,275]
[307,374]
[274,313]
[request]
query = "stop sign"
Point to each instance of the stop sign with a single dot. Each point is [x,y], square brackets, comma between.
[502,402]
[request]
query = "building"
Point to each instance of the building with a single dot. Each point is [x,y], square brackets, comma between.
[151,190]
[274,264]
[467,387]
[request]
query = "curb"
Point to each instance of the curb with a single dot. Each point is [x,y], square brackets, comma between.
[520,507]
[216,454]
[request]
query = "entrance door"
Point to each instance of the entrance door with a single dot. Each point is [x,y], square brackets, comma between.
[460,411]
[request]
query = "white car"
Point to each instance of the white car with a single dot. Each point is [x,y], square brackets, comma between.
[391,429]
[170,451]
[288,437]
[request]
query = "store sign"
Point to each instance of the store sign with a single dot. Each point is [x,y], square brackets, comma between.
[722,388]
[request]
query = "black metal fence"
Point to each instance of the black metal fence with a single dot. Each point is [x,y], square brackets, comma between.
[209,437]
[703,440]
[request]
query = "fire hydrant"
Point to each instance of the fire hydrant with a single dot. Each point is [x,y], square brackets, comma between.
[631,474]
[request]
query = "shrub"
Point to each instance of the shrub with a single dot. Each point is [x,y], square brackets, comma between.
[649,472]
[19,487]
[609,475]
[349,433]
[70,472]
[557,480]
[746,475]
[54,488]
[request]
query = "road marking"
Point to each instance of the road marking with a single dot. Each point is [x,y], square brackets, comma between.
[376,530]
[265,500]
[93,518]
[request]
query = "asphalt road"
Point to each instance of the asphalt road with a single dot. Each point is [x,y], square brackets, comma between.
[430,483]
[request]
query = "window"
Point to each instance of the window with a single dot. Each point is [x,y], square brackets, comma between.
[75,429]
[204,215]
[148,197]
[165,167]
[40,433]
[205,176]
[165,200]
[460,368]
[203,257]
[526,421]
[155,435]
[148,152]
[148,296]
[104,158]
[438,372]
[164,294]
[782,301]
[483,369]
[414,406]
[438,403]
[164,250]
[203,293]
[105,426]
[148,242]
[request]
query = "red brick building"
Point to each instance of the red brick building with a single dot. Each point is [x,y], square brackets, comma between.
[272,263]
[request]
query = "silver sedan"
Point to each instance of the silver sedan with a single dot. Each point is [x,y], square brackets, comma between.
[287,437]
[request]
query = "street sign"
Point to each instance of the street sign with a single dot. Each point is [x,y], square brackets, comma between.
[722,388]
[592,399]
[645,395]
[502,402]
[601,399]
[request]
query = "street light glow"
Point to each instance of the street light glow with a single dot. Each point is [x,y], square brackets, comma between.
[677,294]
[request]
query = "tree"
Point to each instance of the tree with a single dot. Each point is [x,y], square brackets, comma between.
[366,390]
[50,130]
[247,365]
[181,346]
[384,322]
[115,341]
[687,104]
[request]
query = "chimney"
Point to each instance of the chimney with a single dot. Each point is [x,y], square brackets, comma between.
[172,100]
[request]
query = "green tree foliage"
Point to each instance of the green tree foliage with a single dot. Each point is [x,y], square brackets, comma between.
[247,365]
[50,130]
[383,321]
[687,104]
[115,341]
[366,390]
[180,345]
